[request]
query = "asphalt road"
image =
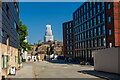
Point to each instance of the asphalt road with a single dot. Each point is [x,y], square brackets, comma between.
[45,69]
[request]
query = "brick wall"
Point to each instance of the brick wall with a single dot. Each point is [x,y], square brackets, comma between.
[116,7]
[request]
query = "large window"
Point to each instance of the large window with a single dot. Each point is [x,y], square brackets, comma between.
[95,42]
[99,31]
[4,61]
[108,5]
[94,21]
[98,18]
[103,17]
[91,22]
[95,32]
[91,43]
[88,44]
[90,13]
[94,11]
[110,33]
[103,6]
[98,8]
[109,18]
[88,24]
[88,34]
[91,32]
[103,29]
[110,43]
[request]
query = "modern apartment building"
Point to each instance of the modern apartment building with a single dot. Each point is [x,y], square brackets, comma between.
[96,26]
[68,39]
[9,37]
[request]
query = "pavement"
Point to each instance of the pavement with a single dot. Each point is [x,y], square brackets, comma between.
[51,70]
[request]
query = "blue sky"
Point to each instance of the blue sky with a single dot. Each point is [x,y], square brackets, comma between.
[35,15]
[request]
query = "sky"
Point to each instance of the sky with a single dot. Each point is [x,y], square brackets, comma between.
[35,15]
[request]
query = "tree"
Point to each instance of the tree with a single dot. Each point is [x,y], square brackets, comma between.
[22,36]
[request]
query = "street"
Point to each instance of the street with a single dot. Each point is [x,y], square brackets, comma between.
[45,69]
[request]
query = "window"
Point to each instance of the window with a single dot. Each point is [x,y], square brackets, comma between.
[67,36]
[103,17]
[110,43]
[85,35]
[98,19]
[67,25]
[90,13]
[2,61]
[110,32]
[90,4]
[91,33]
[99,31]
[7,10]
[79,12]
[109,18]
[94,21]
[99,42]
[84,26]
[2,33]
[88,34]
[84,8]
[84,16]
[103,29]
[70,31]
[109,5]
[88,43]
[98,8]
[91,43]
[103,42]
[82,44]
[87,6]
[87,15]
[67,31]
[15,25]
[95,43]
[91,22]
[88,24]
[94,10]
[95,32]
[82,36]
[103,7]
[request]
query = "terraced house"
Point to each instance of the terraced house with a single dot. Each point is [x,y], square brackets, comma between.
[9,37]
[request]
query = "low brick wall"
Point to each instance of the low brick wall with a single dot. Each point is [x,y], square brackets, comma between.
[107,60]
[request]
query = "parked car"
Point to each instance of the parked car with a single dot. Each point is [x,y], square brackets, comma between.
[60,57]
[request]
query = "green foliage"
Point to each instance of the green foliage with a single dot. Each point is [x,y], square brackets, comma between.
[22,36]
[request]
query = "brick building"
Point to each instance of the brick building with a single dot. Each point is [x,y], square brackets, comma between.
[96,26]
[9,37]
[68,39]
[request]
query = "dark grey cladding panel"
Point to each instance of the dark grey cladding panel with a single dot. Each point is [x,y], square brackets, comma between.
[8,24]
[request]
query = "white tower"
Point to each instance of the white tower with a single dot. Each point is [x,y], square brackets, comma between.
[48,34]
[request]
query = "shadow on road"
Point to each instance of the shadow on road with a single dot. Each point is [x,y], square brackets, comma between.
[60,62]
[104,75]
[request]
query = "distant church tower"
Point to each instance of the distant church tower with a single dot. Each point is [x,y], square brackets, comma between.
[48,34]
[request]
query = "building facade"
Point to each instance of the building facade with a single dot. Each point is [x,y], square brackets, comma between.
[68,39]
[96,26]
[9,37]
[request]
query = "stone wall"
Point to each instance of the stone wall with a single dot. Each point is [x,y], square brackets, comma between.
[107,60]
